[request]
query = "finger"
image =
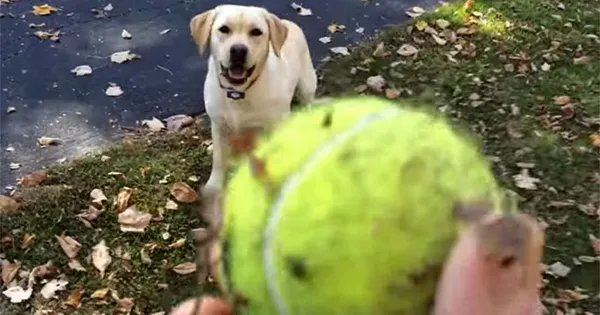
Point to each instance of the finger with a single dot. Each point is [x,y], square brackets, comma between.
[209,306]
[493,269]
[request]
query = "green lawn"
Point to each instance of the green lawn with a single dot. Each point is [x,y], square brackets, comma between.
[522,75]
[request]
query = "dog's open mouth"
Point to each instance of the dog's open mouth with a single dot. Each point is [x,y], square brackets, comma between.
[236,75]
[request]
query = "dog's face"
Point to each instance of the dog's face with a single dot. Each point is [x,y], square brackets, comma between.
[239,38]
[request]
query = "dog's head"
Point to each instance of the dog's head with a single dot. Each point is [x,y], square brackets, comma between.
[239,39]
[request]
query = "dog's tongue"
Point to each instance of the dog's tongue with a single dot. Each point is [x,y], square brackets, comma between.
[237,72]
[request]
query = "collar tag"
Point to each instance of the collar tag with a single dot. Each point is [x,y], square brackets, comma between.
[235,95]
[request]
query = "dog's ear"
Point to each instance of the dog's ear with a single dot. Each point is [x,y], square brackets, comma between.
[200,26]
[277,32]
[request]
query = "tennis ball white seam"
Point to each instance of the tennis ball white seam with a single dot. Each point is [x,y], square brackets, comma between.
[291,184]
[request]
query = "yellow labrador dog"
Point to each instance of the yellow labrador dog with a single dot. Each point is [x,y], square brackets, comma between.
[258,63]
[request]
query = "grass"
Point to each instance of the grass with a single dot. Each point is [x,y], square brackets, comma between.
[505,84]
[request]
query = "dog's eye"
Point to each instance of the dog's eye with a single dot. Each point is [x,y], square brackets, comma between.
[224,29]
[256,32]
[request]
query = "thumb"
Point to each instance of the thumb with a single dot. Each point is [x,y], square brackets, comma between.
[208,306]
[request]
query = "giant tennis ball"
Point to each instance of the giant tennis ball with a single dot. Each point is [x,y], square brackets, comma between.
[351,212]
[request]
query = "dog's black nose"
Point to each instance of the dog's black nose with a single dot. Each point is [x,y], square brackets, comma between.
[238,54]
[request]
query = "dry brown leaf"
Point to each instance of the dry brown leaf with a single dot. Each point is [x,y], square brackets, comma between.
[185,268]
[118,175]
[69,245]
[101,257]
[32,180]
[132,220]
[376,83]
[124,306]
[100,294]
[441,23]
[8,205]
[46,141]
[74,300]
[562,100]
[583,60]
[407,50]
[178,244]
[595,137]
[336,28]
[98,196]
[380,50]
[569,296]
[438,40]
[46,270]
[45,35]
[76,265]
[44,9]
[123,198]
[9,271]
[90,214]
[392,93]
[183,193]
[28,241]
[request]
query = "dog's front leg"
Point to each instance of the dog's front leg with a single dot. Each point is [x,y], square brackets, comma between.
[220,155]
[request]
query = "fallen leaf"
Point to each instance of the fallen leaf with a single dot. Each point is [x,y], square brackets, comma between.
[559,270]
[193,178]
[101,257]
[124,306]
[48,35]
[183,193]
[178,244]
[415,12]
[82,70]
[28,241]
[74,299]
[376,83]
[32,180]
[8,205]
[441,23]
[380,51]
[123,56]
[325,39]
[69,245]
[360,30]
[132,220]
[595,244]
[108,7]
[546,66]
[407,50]
[421,25]
[145,257]
[562,100]
[91,213]
[123,198]
[9,271]
[154,124]
[11,109]
[46,270]
[185,268]
[14,166]
[49,289]
[125,34]
[341,50]
[44,9]
[438,40]
[301,10]
[178,122]
[16,294]
[32,25]
[100,294]
[569,296]
[524,181]
[171,205]
[165,31]
[333,28]
[114,90]
[46,141]
[76,265]
[583,60]
[392,93]
[98,196]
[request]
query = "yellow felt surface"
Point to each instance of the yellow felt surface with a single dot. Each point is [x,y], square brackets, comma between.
[366,230]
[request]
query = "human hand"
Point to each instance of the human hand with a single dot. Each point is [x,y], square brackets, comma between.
[493,269]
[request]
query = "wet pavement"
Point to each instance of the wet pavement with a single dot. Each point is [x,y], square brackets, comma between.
[49,100]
